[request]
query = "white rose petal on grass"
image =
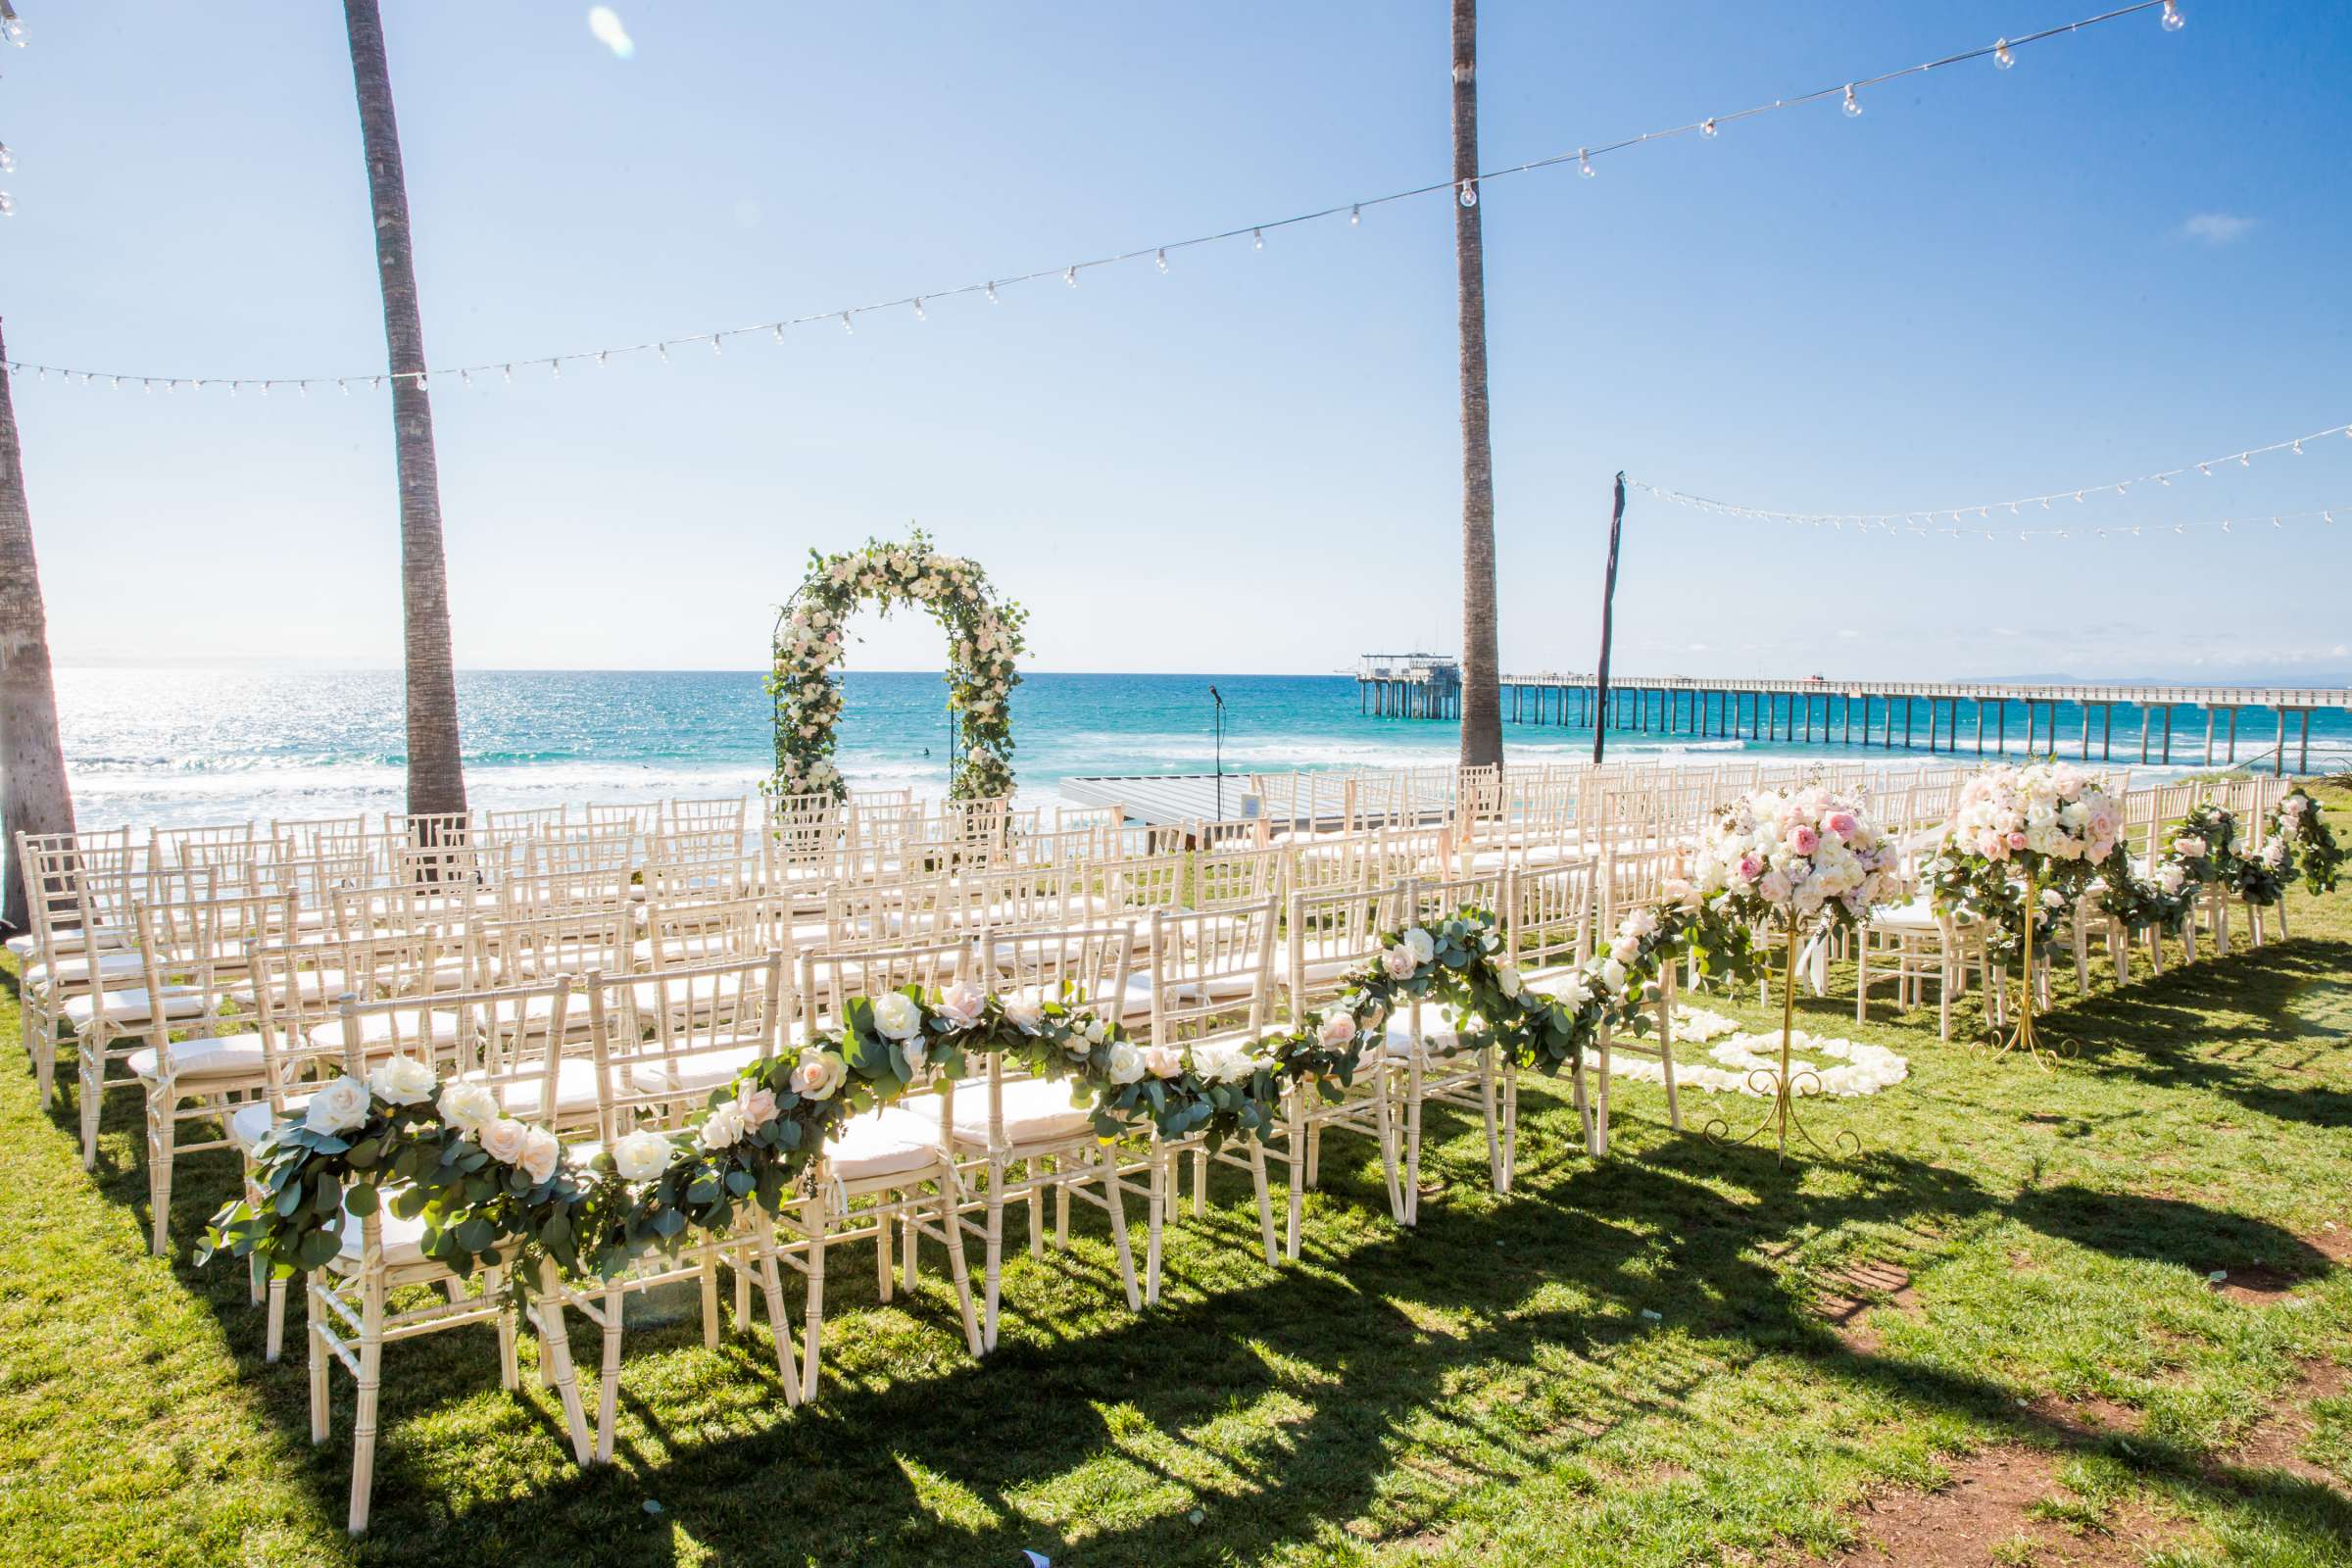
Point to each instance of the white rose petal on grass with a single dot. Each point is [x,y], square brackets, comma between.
[402,1081]
[640,1157]
[339,1107]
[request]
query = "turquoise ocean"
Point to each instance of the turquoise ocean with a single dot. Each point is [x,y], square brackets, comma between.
[175,747]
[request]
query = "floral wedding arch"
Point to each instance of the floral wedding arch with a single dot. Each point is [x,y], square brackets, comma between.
[984,637]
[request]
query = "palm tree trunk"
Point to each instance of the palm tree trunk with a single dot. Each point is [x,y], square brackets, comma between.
[436,776]
[1481,698]
[32,761]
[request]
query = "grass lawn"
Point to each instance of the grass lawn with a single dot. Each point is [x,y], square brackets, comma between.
[1991,1339]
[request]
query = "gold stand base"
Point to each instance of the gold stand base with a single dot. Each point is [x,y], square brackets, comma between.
[1782,1120]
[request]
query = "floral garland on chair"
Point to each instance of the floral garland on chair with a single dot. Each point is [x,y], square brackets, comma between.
[491,1188]
[2298,823]
[984,637]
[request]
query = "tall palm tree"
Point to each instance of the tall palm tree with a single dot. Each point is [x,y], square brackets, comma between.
[32,762]
[436,777]
[1482,698]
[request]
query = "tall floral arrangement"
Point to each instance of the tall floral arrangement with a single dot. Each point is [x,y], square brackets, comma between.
[2025,843]
[984,639]
[1801,857]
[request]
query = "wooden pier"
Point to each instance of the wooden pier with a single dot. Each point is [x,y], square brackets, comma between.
[1940,715]
[1408,686]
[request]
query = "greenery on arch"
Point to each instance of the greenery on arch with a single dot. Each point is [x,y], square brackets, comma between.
[984,638]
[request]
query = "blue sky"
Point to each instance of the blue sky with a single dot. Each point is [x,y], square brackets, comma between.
[2122,254]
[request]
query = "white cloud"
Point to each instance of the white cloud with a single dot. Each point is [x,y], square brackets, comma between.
[1848,633]
[605,23]
[2339,650]
[2216,228]
[1700,648]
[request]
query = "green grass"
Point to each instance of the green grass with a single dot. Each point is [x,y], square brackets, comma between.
[1488,1389]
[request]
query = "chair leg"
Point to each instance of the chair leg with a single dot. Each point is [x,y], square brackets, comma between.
[162,1134]
[1489,1112]
[1600,1097]
[742,1294]
[951,1226]
[1674,1098]
[1314,1154]
[1156,1218]
[555,1360]
[1386,1119]
[90,1063]
[991,1276]
[273,1335]
[1201,1183]
[317,1331]
[1412,1141]
[909,1242]
[812,1212]
[1037,1213]
[509,1371]
[1299,1145]
[771,1292]
[885,1269]
[614,1309]
[1112,1187]
[1510,1124]
[362,1421]
[1266,1201]
[1062,1210]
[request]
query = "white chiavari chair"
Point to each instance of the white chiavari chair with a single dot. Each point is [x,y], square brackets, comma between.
[1548,915]
[110,1019]
[651,1037]
[351,1311]
[1210,978]
[1330,936]
[78,902]
[1013,1119]
[893,1168]
[1422,1052]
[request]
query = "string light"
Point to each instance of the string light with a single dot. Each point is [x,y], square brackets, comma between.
[2122,487]
[2002,58]
[7,160]
[919,314]
[1466,190]
[2174,21]
[1163,260]
[1920,530]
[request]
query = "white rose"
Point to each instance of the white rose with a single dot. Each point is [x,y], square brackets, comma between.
[1612,975]
[468,1106]
[1093,1030]
[1398,963]
[1165,1061]
[1506,977]
[402,1081]
[1025,1014]
[503,1138]
[963,1005]
[816,1075]
[898,1016]
[541,1154]
[1625,949]
[1423,946]
[640,1157]
[724,1127]
[1126,1063]
[338,1107]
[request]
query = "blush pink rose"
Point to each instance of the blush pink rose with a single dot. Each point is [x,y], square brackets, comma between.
[2017,840]
[1841,823]
[1804,840]
[1337,1028]
[758,1106]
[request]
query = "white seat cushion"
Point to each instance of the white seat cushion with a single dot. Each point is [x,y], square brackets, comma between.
[380,1029]
[575,1090]
[313,986]
[403,1238]
[1917,915]
[131,1006]
[1036,1110]
[697,1073]
[889,1142]
[1550,984]
[251,1121]
[1437,1031]
[77,971]
[239,1055]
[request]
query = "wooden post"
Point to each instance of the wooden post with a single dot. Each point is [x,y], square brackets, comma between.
[2233,734]
[2168,732]
[2001,727]
[1608,602]
[2303,757]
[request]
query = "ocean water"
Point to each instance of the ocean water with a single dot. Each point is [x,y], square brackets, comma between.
[177,747]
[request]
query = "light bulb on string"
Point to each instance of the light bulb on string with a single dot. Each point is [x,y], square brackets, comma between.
[662,349]
[920,314]
[1070,276]
[2002,59]
[465,377]
[509,370]
[1468,194]
[1257,240]
[1584,162]
[1706,127]
[1355,216]
[992,293]
[8,205]
[1160,261]
[2172,20]
[2298,449]
[604,357]
[845,325]
[2245,459]
[14,31]
[7,160]
[715,350]
[778,330]
[554,369]
[1853,105]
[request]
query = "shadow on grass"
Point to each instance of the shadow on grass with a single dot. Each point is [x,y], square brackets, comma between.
[2227,1026]
[1493,1342]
